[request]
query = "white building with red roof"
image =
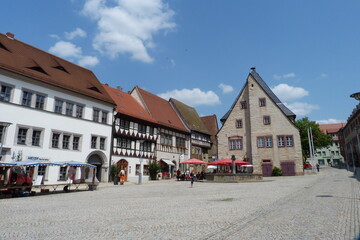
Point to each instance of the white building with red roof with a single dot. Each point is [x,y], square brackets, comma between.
[57,111]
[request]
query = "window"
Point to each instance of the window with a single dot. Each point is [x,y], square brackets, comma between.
[21,138]
[243,105]
[26,99]
[268,142]
[262,102]
[69,109]
[238,123]
[66,142]
[2,131]
[235,144]
[93,141]
[287,141]
[124,143]
[58,106]
[62,173]
[36,137]
[151,131]
[41,170]
[102,143]
[281,141]
[79,111]
[141,128]
[96,114]
[180,142]
[145,146]
[124,124]
[55,140]
[5,93]
[40,101]
[76,141]
[261,142]
[104,117]
[166,139]
[267,120]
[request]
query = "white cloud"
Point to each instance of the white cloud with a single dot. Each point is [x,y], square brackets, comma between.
[323,75]
[65,49]
[289,93]
[72,52]
[330,121]
[284,76]
[193,97]
[128,26]
[301,108]
[78,32]
[226,88]
[88,61]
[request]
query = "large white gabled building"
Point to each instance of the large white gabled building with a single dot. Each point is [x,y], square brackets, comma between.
[58,111]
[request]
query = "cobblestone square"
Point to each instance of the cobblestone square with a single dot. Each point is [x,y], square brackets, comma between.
[320,206]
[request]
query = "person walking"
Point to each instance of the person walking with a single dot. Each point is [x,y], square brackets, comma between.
[192,179]
[122,176]
[318,167]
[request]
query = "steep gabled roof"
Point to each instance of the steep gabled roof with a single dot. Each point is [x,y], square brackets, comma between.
[268,91]
[161,110]
[127,105]
[212,125]
[189,116]
[26,60]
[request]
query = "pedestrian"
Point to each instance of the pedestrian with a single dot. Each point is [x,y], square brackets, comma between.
[122,176]
[318,167]
[192,179]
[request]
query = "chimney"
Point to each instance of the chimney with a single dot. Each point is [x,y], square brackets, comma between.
[119,88]
[253,68]
[10,35]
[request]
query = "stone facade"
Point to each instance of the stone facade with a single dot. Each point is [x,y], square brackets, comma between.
[260,129]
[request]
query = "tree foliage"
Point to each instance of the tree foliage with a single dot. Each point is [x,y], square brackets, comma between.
[154,169]
[320,139]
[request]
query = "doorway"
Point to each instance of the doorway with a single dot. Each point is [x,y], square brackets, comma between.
[97,161]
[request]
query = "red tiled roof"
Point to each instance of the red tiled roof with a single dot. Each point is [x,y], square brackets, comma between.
[127,105]
[331,128]
[26,60]
[211,124]
[161,110]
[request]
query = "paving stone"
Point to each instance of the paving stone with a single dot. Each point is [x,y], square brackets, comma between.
[320,206]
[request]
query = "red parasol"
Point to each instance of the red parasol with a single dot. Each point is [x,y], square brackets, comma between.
[193,161]
[228,162]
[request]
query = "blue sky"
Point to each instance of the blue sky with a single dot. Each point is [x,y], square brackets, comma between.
[201,51]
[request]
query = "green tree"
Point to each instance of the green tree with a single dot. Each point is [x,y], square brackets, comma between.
[154,169]
[320,139]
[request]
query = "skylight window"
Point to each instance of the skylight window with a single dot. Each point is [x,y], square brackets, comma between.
[94,89]
[3,47]
[61,68]
[38,69]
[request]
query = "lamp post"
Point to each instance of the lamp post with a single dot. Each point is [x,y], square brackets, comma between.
[357,97]
[141,163]
[4,125]
[233,164]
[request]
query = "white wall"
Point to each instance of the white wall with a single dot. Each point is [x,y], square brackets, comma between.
[48,121]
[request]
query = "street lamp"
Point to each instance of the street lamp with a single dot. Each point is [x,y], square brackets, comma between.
[4,125]
[233,164]
[141,165]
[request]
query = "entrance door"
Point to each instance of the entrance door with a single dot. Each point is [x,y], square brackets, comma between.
[97,161]
[267,169]
[123,165]
[288,168]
